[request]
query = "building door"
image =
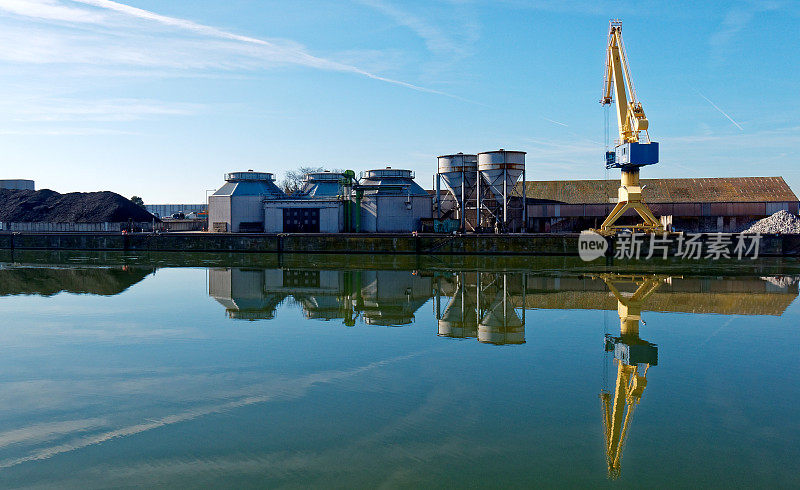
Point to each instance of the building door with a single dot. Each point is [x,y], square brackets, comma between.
[301,220]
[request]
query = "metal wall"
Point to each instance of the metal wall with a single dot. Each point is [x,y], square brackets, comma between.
[390,214]
[219,211]
[246,209]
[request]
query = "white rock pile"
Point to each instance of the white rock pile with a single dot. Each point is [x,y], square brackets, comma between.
[780,222]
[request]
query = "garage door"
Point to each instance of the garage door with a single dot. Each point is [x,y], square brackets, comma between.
[301,220]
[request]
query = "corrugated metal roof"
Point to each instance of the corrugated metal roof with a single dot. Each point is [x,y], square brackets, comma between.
[720,189]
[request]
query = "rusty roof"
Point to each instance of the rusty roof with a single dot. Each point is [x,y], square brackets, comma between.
[718,189]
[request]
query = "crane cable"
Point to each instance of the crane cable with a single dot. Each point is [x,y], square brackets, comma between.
[606,142]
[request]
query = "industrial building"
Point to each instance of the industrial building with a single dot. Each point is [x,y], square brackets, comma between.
[726,204]
[317,207]
[383,200]
[392,202]
[18,184]
[238,206]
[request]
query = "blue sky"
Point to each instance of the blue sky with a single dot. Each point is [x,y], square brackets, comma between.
[160,98]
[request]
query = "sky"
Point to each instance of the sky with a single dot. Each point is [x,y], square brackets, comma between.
[160,98]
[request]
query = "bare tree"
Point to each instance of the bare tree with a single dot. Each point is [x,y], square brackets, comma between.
[293,179]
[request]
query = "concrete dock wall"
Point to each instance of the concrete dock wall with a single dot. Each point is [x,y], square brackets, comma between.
[424,244]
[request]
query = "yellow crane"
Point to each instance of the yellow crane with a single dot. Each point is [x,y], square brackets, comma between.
[633,357]
[630,152]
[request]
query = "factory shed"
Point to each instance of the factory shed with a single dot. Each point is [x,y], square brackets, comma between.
[317,207]
[237,206]
[392,201]
[725,204]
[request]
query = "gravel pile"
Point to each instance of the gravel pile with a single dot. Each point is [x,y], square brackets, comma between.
[24,206]
[780,222]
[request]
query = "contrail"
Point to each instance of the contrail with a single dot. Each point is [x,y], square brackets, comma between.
[555,122]
[291,54]
[721,111]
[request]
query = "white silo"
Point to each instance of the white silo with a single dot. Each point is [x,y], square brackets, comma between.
[499,172]
[459,174]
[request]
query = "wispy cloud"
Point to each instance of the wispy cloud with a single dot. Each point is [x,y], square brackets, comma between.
[113,110]
[50,10]
[66,131]
[734,22]
[81,46]
[436,39]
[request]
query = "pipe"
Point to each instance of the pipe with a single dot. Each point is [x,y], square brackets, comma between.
[463,210]
[524,202]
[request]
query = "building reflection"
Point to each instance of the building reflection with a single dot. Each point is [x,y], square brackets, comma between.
[487,306]
[491,307]
[383,298]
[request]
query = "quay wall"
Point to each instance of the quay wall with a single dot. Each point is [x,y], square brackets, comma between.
[424,244]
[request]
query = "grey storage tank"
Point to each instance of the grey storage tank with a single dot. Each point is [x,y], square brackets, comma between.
[18,184]
[392,202]
[238,206]
[459,174]
[499,172]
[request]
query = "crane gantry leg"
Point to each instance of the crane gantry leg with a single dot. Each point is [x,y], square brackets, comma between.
[630,197]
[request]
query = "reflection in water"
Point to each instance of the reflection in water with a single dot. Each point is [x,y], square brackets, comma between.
[491,307]
[488,306]
[633,357]
[48,281]
[71,391]
[387,298]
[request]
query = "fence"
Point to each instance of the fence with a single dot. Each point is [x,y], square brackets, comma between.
[73,227]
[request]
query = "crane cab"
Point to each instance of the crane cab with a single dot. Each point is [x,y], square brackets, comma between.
[632,155]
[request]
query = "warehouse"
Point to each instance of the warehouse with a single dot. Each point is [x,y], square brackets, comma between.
[238,206]
[724,204]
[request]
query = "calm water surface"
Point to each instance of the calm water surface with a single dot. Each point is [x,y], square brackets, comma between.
[396,371]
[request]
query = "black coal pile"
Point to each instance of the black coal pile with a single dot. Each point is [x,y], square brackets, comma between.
[24,206]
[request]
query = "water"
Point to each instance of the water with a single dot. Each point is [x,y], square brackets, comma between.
[199,370]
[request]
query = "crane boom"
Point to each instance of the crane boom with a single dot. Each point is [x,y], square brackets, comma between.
[630,115]
[630,153]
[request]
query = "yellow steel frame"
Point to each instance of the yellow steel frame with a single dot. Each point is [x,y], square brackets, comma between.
[631,120]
